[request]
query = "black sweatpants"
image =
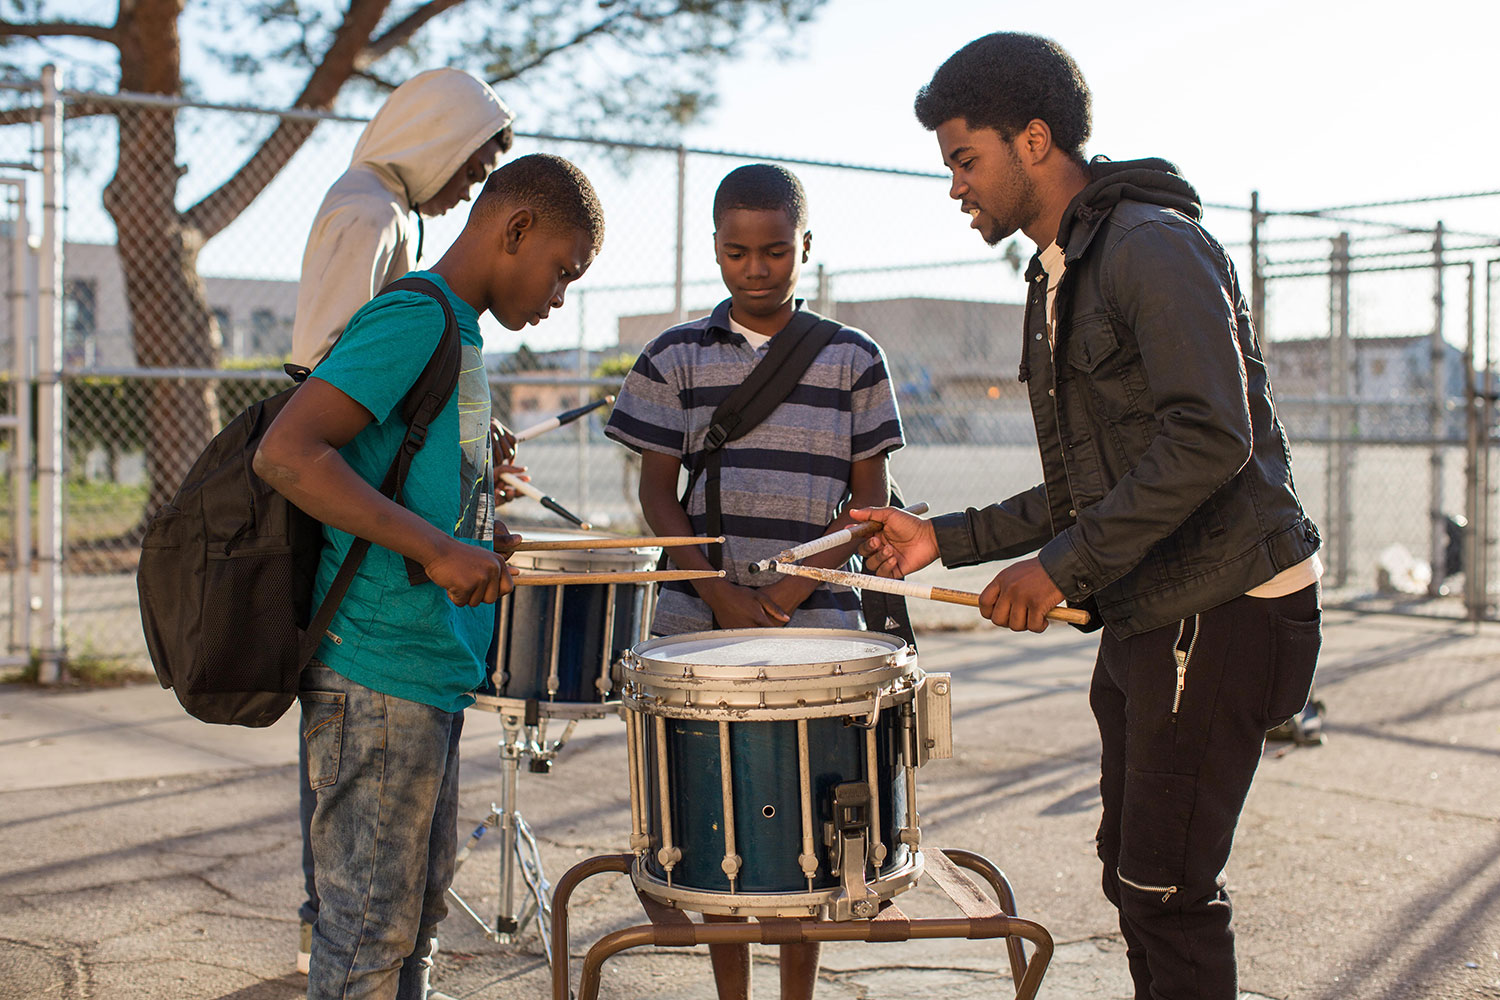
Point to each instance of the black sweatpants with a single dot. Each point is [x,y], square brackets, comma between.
[1183,712]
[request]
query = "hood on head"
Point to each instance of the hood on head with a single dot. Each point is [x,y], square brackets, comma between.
[1152,180]
[427,127]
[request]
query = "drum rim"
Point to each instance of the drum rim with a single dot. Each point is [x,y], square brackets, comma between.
[772,904]
[796,689]
[548,709]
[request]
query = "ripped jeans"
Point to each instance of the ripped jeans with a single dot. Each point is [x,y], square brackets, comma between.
[384,835]
[1183,711]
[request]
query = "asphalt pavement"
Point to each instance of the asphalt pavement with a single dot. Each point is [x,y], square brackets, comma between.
[145,854]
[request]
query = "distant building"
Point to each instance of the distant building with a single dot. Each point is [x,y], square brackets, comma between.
[254,316]
[954,363]
[1390,380]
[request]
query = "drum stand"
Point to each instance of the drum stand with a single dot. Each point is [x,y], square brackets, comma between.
[522,735]
[983,918]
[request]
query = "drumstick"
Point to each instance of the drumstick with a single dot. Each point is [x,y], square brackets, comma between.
[558,545]
[907,588]
[527,578]
[522,486]
[566,417]
[833,541]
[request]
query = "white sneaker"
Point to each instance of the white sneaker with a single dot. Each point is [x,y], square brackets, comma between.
[304,949]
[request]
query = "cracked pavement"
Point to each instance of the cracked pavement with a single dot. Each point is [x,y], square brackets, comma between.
[144,854]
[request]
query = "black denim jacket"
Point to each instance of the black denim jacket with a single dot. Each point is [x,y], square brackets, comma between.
[1167,479]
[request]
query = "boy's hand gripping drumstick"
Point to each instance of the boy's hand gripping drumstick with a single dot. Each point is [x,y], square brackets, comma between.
[833,541]
[906,588]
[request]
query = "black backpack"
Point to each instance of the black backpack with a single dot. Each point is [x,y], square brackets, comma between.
[228,566]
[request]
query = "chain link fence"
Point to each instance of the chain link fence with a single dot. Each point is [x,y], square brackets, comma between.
[180,264]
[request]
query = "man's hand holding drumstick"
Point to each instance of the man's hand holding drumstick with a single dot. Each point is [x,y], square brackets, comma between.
[1018,598]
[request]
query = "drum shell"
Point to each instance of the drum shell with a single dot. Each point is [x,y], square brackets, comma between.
[526,621]
[764,762]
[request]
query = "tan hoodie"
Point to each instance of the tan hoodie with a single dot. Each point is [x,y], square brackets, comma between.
[360,241]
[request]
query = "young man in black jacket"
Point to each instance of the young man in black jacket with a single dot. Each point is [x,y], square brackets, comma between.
[1167,507]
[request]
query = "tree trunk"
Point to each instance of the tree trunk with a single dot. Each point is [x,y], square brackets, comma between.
[171,324]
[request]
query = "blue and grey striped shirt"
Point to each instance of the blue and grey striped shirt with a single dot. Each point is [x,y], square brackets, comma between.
[783,482]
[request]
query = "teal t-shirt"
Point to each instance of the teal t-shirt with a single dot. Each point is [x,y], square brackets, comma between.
[412,641]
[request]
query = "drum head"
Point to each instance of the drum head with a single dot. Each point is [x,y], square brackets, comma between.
[769,668]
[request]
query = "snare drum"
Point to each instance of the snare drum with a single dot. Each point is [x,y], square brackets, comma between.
[559,646]
[772,770]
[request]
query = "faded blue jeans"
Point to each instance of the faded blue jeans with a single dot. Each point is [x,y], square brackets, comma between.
[384,835]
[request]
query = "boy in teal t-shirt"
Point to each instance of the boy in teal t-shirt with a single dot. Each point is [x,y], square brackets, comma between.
[382,703]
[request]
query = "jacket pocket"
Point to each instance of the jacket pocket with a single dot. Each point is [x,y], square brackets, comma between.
[1097,359]
[323,731]
[1294,657]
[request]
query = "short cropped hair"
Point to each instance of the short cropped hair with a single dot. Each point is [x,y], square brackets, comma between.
[1005,80]
[762,187]
[552,187]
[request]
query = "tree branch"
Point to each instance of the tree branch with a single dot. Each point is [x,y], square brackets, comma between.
[579,37]
[61,29]
[223,205]
[401,32]
[72,109]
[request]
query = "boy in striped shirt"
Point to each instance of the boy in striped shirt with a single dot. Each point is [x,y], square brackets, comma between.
[781,484]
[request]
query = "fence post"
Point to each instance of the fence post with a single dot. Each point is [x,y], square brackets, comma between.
[583,397]
[1473,597]
[1340,448]
[1437,399]
[49,636]
[1257,273]
[20,446]
[1479,530]
[679,303]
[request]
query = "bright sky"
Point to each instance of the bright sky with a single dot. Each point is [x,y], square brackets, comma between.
[1314,102]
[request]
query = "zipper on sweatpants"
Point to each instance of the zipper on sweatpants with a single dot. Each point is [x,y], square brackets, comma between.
[1182,652]
[339,642]
[1167,891]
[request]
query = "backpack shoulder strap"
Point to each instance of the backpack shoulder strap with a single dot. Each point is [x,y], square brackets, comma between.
[769,383]
[419,407]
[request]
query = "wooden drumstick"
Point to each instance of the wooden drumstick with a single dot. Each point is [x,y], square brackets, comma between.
[528,578]
[906,588]
[522,486]
[645,541]
[833,541]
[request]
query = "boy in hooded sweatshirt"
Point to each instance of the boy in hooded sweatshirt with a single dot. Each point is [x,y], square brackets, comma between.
[436,137]
[1167,506]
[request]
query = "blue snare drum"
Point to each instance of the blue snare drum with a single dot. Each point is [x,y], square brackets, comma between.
[559,646]
[772,770]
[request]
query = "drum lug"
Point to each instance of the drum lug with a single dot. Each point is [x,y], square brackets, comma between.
[668,857]
[847,838]
[639,841]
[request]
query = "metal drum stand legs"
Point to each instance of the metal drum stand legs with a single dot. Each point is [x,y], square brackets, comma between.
[983,918]
[522,735]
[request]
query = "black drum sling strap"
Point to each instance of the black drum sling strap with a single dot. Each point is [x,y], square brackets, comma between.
[769,383]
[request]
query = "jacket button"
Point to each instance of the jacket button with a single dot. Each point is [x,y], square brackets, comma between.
[1083,585]
[1051,392]
[1072,512]
[1039,336]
